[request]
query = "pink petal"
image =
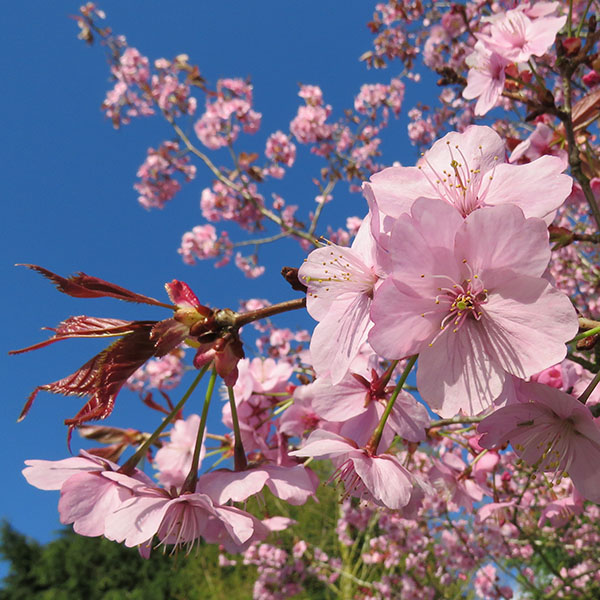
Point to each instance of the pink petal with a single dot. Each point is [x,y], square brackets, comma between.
[51,474]
[223,485]
[324,444]
[537,188]
[399,330]
[523,249]
[396,188]
[86,500]
[386,479]
[457,372]
[511,319]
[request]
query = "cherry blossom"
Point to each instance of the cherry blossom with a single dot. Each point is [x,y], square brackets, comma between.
[552,431]
[468,170]
[463,296]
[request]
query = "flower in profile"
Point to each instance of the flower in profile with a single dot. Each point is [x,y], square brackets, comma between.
[179,521]
[378,478]
[468,170]
[468,297]
[551,431]
[340,284]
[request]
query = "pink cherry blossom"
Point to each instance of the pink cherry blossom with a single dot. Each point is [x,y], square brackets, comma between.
[87,497]
[174,459]
[450,477]
[551,431]
[179,521]
[485,80]
[468,298]
[340,284]
[358,402]
[542,141]
[379,478]
[468,171]
[517,38]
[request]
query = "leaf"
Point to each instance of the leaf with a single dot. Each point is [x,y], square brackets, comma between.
[81,285]
[86,327]
[586,109]
[102,377]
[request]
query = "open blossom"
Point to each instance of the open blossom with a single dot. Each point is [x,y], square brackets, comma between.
[227,113]
[180,520]
[280,149]
[468,298]
[379,478]
[157,184]
[517,38]
[468,171]
[340,284]
[87,497]
[551,431]
[485,80]
[358,401]
[449,475]
[543,140]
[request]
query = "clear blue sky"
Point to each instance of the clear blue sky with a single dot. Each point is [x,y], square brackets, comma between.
[68,175]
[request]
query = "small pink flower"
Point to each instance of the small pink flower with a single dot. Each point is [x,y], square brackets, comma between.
[485,80]
[379,478]
[517,38]
[551,431]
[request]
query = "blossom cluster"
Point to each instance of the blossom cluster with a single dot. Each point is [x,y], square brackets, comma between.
[478,265]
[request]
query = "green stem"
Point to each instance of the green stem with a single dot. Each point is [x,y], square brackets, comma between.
[454,421]
[590,388]
[239,456]
[132,462]
[570,19]
[540,81]
[189,485]
[372,444]
[585,334]
[583,16]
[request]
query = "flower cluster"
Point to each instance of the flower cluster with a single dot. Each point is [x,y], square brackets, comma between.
[478,266]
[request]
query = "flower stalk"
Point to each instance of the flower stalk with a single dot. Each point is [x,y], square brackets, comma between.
[239,455]
[133,460]
[189,485]
[372,444]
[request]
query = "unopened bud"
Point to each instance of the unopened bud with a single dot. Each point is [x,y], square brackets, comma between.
[290,274]
[571,45]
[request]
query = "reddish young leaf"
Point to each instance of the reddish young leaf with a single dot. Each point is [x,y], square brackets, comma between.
[86,327]
[81,285]
[180,294]
[102,377]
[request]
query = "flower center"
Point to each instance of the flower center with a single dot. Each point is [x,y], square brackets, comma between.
[459,301]
[465,301]
[459,183]
[551,443]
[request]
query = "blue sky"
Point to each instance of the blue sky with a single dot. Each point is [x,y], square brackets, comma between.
[68,175]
